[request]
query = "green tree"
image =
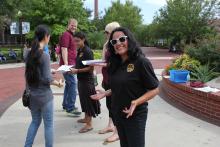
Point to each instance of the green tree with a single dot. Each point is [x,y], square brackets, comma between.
[96,40]
[55,14]
[99,24]
[186,19]
[141,34]
[8,11]
[128,15]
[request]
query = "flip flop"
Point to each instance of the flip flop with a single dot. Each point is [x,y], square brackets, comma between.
[110,141]
[104,131]
[84,130]
[106,142]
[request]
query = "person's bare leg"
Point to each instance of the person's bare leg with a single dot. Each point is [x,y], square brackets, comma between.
[88,125]
[84,120]
[89,121]
[114,137]
[109,128]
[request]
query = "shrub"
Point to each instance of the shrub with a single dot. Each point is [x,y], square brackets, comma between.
[96,40]
[203,73]
[206,52]
[169,67]
[185,62]
[97,54]
[141,33]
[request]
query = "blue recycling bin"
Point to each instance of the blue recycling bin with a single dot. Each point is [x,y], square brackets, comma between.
[179,76]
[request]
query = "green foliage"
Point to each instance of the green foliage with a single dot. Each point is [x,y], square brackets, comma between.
[207,51]
[185,19]
[55,14]
[96,39]
[153,33]
[168,68]
[185,62]
[126,14]
[204,73]
[97,54]
[30,35]
[141,34]
[57,31]
[8,11]
[53,11]
[99,24]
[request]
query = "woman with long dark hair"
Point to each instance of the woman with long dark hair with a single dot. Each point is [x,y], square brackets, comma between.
[86,85]
[38,79]
[132,84]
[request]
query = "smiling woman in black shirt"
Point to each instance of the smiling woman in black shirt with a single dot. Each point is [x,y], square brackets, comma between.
[133,83]
[86,86]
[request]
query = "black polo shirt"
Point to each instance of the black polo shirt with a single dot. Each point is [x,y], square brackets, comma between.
[130,81]
[84,54]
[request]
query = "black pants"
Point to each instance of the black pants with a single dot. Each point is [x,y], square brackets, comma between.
[131,131]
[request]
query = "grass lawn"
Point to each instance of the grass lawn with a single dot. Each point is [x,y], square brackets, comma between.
[97,54]
[5,52]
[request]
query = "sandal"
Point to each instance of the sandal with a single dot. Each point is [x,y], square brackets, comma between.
[112,138]
[106,130]
[84,130]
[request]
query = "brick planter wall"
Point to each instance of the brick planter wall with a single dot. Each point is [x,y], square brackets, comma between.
[203,105]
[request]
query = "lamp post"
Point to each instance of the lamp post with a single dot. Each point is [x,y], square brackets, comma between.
[20,31]
[20,26]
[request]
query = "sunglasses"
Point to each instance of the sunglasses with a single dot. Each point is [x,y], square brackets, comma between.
[106,32]
[121,39]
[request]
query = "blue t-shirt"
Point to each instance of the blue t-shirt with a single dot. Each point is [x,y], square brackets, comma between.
[46,49]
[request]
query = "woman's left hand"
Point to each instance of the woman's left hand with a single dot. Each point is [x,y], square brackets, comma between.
[99,95]
[73,70]
[130,111]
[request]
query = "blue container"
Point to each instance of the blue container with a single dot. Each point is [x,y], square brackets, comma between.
[179,76]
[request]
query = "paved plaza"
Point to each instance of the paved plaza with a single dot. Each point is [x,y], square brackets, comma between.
[167,126]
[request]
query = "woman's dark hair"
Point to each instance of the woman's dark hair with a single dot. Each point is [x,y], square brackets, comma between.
[82,35]
[32,69]
[134,50]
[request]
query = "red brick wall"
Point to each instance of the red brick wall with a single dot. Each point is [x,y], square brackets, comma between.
[204,105]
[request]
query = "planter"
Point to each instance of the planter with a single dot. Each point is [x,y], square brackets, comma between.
[203,105]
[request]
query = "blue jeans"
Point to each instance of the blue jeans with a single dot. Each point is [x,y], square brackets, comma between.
[69,98]
[46,112]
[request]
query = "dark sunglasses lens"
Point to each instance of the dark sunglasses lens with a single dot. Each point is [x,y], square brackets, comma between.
[122,39]
[113,42]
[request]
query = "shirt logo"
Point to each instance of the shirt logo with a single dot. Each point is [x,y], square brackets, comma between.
[130,67]
[80,55]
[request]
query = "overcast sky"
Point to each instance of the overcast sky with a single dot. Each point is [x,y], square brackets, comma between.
[148,7]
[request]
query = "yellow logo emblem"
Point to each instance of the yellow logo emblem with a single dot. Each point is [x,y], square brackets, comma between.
[130,68]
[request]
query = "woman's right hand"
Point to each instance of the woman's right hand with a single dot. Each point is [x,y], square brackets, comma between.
[99,95]
[74,70]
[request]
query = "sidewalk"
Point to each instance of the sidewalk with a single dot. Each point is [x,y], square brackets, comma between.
[11,65]
[166,127]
